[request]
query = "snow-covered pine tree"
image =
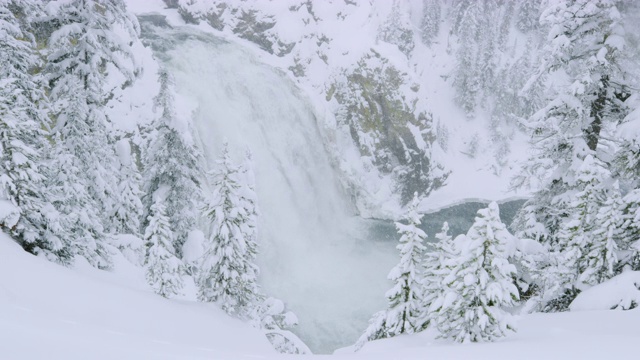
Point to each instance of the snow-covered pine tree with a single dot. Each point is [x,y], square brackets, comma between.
[171,161]
[513,105]
[250,198]
[129,208]
[506,18]
[23,142]
[164,269]
[227,274]
[487,41]
[601,257]
[405,297]
[627,166]
[586,45]
[397,30]
[377,329]
[630,231]
[430,24]
[465,78]
[438,263]
[528,15]
[81,51]
[586,242]
[269,315]
[481,285]
[456,13]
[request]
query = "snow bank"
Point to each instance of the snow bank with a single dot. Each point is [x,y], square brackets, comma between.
[9,214]
[621,292]
[572,335]
[51,312]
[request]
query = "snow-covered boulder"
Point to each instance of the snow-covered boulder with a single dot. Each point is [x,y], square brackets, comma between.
[620,292]
[131,246]
[9,214]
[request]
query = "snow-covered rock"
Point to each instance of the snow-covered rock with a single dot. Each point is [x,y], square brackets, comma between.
[621,292]
[9,214]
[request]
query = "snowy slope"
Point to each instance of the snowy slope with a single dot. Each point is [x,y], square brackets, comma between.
[51,312]
[579,335]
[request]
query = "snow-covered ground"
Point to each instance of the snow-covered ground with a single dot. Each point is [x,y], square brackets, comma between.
[573,335]
[51,312]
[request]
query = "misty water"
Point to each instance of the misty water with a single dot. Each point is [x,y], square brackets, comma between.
[328,265]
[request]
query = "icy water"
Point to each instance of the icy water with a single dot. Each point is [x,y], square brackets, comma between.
[327,265]
[460,218]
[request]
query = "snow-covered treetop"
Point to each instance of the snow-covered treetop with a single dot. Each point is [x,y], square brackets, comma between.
[488,224]
[86,42]
[580,27]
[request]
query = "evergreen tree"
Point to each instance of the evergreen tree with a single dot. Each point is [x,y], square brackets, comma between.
[249,196]
[405,297]
[377,329]
[397,30]
[23,142]
[519,97]
[465,79]
[438,263]
[129,208]
[163,267]
[171,161]
[227,272]
[601,256]
[627,167]
[586,45]
[457,12]
[586,247]
[506,16]
[487,40]
[81,51]
[430,24]
[480,285]
[528,15]
[630,231]
[270,316]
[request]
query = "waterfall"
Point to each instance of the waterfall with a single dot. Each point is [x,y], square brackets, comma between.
[314,254]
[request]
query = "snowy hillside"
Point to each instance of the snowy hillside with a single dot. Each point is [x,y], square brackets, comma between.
[581,335]
[87,313]
[84,312]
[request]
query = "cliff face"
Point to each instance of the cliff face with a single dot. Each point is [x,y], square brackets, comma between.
[387,75]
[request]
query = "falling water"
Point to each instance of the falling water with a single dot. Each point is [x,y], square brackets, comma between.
[314,254]
[327,265]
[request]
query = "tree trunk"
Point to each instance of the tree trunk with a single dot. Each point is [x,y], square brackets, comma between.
[592,133]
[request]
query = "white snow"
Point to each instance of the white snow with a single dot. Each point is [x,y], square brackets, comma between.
[561,336]
[51,312]
[9,213]
[621,292]
[123,150]
[193,248]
